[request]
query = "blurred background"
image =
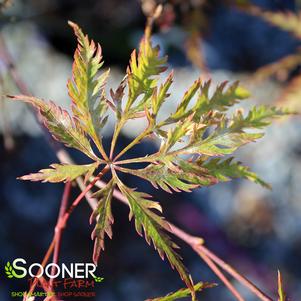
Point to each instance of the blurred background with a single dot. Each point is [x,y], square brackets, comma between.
[256,230]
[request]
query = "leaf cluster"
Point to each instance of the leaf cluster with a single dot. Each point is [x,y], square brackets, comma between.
[198,138]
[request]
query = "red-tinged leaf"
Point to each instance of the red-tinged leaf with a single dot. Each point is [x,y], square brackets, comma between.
[225,170]
[160,96]
[62,173]
[86,88]
[142,72]
[62,126]
[104,219]
[221,144]
[169,176]
[153,226]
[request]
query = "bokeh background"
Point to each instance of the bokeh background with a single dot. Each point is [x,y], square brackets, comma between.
[256,230]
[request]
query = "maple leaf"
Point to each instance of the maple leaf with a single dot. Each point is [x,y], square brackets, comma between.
[152,224]
[62,126]
[86,88]
[196,138]
[141,73]
[225,170]
[104,219]
[62,173]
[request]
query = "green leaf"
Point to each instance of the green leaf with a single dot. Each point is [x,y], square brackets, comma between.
[159,97]
[86,88]
[62,173]
[104,219]
[181,110]
[183,293]
[257,118]
[178,176]
[176,134]
[221,144]
[225,170]
[223,97]
[142,71]
[153,225]
[62,126]
[161,176]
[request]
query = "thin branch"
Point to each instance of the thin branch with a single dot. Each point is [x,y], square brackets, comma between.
[63,220]
[62,223]
[43,264]
[200,248]
[235,274]
[220,275]
[58,232]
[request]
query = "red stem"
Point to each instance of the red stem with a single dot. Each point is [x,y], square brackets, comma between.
[197,245]
[240,278]
[59,232]
[62,223]
[220,275]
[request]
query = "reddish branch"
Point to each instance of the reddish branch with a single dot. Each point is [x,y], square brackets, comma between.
[213,261]
[58,232]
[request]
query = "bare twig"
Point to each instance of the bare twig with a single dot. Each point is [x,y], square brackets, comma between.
[220,275]
[58,232]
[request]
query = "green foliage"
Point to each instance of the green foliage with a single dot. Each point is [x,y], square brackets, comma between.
[196,138]
[183,293]
[63,127]
[104,219]
[62,173]
[153,225]
[86,88]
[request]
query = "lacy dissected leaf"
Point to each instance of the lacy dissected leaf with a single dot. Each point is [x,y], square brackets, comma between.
[153,226]
[184,293]
[225,170]
[142,72]
[257,118]
[161,176]
[104,219]
[62,173]
[160,96]
[62,126]
[223,98]
[178,176]
[86,88]
[287,21]
[219,144]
